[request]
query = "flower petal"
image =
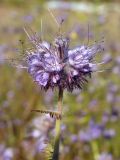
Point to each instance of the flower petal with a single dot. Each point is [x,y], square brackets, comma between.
[55,78]
[42,78]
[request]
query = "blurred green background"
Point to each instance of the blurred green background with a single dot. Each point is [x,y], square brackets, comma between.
[91,120]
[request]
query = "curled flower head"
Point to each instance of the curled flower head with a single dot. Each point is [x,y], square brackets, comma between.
[55,65]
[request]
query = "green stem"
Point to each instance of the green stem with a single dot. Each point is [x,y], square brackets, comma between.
[95,150]
[57,127]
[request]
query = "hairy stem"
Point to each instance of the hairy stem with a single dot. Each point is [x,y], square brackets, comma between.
[57,127]
[60,98]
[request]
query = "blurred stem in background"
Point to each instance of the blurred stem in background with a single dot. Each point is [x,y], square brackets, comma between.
[57,127]
[95,150]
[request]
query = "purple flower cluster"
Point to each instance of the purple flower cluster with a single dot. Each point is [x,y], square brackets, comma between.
[55,65]
[95,131]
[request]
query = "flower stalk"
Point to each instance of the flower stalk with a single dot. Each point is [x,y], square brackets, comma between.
[57,127]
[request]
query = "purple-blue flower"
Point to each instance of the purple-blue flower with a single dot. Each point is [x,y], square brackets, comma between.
[93,131]
[55,65]
[105,156]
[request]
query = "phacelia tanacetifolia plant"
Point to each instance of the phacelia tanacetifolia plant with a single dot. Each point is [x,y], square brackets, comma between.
[55,65]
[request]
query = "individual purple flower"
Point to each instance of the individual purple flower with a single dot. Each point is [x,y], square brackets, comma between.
[105,156]
[74,138]
[8,154]
[85,136]
[114,114]
[105,117]
[41,144]
[28,18]
[109,133]
[55,65]
[93,131]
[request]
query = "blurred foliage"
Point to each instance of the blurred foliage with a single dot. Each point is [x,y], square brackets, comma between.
[26,2]
[20,129]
